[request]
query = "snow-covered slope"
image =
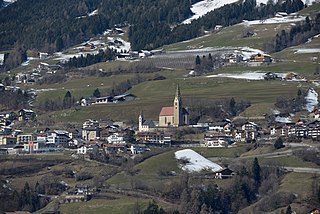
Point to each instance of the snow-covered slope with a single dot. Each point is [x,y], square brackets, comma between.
[203,7]
[311,99]
[196,162]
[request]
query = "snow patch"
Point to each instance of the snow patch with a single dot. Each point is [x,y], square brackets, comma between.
[275,20]
[246,75]
[203,7]
[247,52]
[311,99]
[126,46]
[283,119]
[307,50]
[196,162]
[93,13]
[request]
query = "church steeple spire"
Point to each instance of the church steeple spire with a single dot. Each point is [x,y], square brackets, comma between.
[178,91]
[177,108]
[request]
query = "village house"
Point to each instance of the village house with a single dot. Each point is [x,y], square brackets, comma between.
[88,47]
[87,101]
[271,76]
[6,130]
[43,55]
[176,115]
[1,59]
[313,130]
[91,133]
[103,100]
[239,136]
[83,150]
[315,114]
[224,174]
[58,137]
[31,147]
[216,140]
[25,138]
[8,115]
[154,137]
[221,127]
[114,149]
[138,149]
[116,138]
[26,114]
[90,123]
[123,98]
[8,140]
[81,189]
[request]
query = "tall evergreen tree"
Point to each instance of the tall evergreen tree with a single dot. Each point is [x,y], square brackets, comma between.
[256,171]
[289,210]
[96,93]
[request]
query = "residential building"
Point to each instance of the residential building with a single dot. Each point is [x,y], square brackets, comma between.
[154,137]
[90,123]
[31,147]
[123,98]
[138,149]
[26,114]
[91,133]
[2,59]
[82,150]
[8,140]
[217,140]
[25,138]
[58,137]
[224,173]
[103,100]
[116,138]
[114,149]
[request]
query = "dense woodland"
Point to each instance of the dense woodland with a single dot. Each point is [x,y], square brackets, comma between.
[53,25]
[298,34]
[90,59]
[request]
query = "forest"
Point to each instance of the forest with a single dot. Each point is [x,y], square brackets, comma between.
[55,24]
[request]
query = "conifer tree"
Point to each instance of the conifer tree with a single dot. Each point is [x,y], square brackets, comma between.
[256,171]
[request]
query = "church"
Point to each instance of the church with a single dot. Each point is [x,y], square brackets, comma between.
[172,116]
[176,115]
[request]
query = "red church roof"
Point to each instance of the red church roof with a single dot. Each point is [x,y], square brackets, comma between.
[167,111]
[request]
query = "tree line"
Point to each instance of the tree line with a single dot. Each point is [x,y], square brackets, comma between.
[27,199]
[69,24]
[204,110]
[147,34]
[298,34]
[89,59]
[152,23]
[18,99]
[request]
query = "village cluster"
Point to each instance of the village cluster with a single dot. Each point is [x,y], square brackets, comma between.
[119,138]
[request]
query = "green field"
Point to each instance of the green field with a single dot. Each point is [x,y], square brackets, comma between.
[148,173]
[120,205]
[232,37]
[152,95]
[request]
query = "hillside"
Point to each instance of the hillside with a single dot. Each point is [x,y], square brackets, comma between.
[221,77]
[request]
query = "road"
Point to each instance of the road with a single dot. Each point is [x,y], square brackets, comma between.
[271,155]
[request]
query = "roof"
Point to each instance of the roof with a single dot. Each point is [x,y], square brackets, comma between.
[27,110]
[167,111]
[61,132]
[123,96]
[149,123]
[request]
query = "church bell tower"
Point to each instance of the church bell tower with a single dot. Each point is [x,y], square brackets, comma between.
[177,109]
